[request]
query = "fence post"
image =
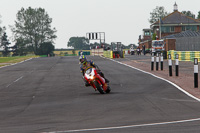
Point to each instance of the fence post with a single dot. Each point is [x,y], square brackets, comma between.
[152,62]
[161,61]
[195,72]
[157,61]
[170,64]
[177,64]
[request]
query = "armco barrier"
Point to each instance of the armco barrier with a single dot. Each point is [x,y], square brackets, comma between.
[184,55]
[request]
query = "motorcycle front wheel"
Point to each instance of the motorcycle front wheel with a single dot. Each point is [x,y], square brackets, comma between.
[99,88]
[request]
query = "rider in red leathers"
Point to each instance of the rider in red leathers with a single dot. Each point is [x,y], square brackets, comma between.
[85,64]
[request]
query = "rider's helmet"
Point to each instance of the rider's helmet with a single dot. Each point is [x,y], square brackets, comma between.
[82,59]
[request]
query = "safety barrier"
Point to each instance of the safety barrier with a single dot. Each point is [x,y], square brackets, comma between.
[108,54]
[184,55]
[97,52]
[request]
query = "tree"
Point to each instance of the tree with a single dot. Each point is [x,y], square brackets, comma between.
[5,44]
[46,48]
[188,13]
[34,27]
[198,17]
[157,13]
[79,43]
[2,31]
[154,36]
[20,48]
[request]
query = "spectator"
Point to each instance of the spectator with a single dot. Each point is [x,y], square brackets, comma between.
[144,52]
[138,50]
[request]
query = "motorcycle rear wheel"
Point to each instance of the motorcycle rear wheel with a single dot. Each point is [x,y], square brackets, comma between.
[99,88]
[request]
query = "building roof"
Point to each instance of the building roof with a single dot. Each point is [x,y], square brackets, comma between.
[187,33]
[177,18]
[147,29]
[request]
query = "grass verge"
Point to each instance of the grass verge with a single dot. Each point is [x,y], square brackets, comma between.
[10,60]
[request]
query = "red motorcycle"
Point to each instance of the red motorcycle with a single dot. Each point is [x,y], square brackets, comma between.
[96,81]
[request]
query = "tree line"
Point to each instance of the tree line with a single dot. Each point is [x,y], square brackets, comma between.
[32,33]
[82,43]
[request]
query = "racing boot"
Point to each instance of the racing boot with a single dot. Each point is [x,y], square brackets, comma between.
[107,81]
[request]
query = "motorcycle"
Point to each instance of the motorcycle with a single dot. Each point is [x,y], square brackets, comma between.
[96,81]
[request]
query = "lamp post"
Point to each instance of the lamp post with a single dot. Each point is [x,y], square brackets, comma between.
[157,34]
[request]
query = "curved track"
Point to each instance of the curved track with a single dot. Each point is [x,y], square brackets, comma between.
[48,95]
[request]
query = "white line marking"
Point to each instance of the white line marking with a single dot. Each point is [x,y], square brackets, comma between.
[140,125]
[129,126]
[161,79]
[15,81]
[18,78]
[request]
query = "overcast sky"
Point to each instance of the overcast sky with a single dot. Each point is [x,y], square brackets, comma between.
[121,20]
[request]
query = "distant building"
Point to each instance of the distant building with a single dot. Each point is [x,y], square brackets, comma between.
[146,38]
[174,23]
[184,41]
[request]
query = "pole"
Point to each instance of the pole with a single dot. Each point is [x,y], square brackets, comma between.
[161,61]
[152,62]
[177,65]
[157,61]
[170,64]
[160,27]
[195,73]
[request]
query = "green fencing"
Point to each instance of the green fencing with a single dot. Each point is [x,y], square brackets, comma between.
[84,53]
[184,55]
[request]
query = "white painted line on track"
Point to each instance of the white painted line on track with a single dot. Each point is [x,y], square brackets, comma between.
[129,126]
[15,81]
[160,78]
[139,125]
[18,78]
[12,65]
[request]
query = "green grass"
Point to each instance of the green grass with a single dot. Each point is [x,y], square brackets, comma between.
[14,59]
[8,59]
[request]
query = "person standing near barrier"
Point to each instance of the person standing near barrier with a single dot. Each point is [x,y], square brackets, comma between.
[143,47]
[138,50]
[81,52]
[132,50]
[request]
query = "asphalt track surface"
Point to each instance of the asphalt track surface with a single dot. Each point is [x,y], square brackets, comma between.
[47,95]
